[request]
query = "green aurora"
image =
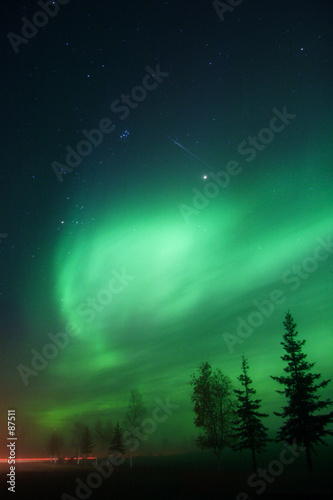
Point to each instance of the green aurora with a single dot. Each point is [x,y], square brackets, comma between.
[177,290]
[109,252]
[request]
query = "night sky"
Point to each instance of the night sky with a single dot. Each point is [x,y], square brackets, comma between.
[207,193]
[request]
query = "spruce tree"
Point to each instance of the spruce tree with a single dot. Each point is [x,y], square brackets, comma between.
[117,446]
[250,432]
[301,425]
[133,420]
[87,444]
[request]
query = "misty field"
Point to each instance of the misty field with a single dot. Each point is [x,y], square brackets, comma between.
[174,477]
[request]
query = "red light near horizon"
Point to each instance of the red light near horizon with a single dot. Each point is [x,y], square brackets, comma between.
[5,460]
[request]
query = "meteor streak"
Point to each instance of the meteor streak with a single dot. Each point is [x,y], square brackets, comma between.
[192,154]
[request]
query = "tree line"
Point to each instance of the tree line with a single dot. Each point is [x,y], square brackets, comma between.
[112,439]
[227,417]
[232,418]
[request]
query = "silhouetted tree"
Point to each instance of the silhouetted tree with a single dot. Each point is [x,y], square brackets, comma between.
[98,433]
[117,446]
[214,406]
[103,432]
[133,421]
[250,433]
[87,443]
[77,433]
[301,425]
[54,445]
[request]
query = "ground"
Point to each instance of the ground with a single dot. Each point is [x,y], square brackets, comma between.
[161,478]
